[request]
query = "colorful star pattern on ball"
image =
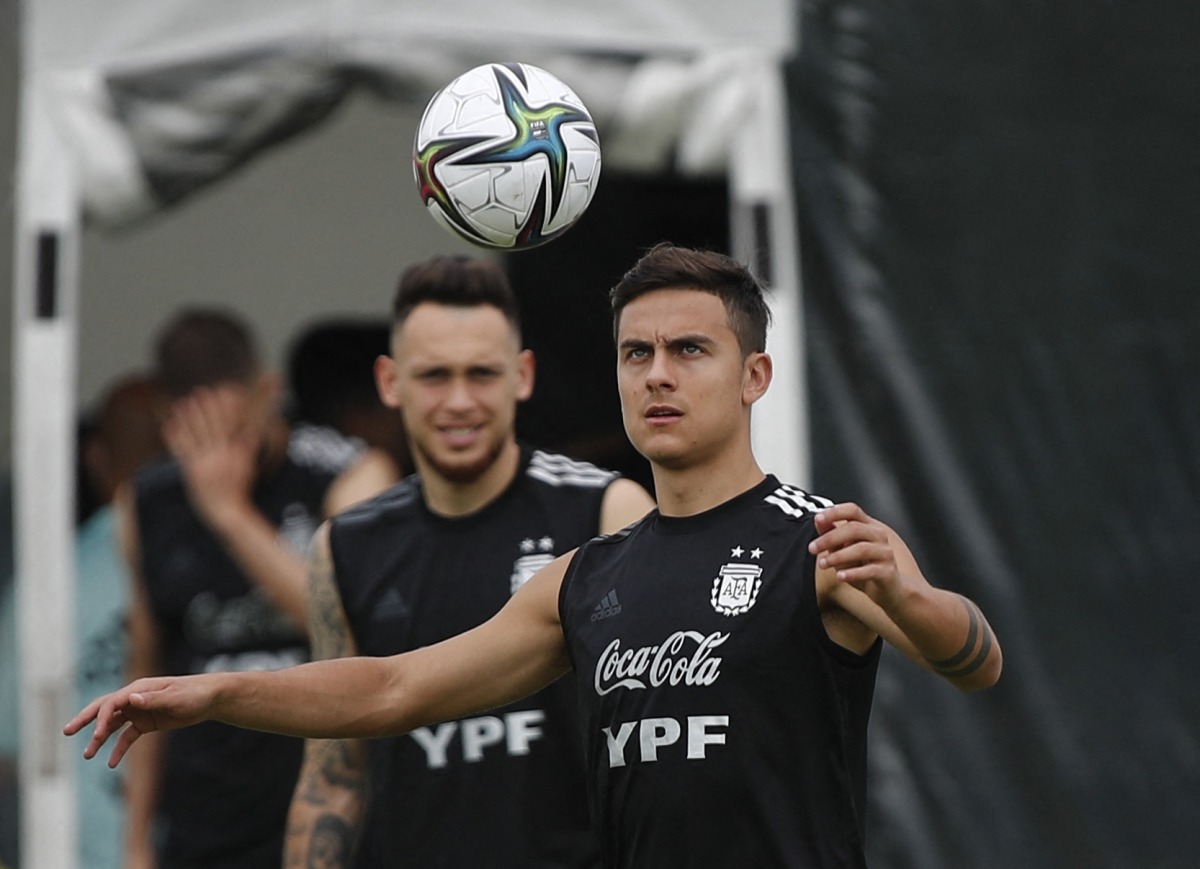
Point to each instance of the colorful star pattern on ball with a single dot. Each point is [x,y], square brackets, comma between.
[536,131]
[506,156]
[428,185]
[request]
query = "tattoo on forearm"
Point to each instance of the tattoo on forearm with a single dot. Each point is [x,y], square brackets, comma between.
[342,764]
[327,809]
[330,635]
[328,805]
[332,843]
[975,650]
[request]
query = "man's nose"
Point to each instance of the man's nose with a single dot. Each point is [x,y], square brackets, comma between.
[459,393]
[661,374]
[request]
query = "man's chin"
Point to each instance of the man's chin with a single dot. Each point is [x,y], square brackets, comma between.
[461,470]
[461,473]
[662,451]
[670,462]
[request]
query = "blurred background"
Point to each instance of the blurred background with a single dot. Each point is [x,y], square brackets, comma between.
[992,209]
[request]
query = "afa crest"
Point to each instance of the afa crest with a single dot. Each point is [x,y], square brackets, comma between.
[535,554]
[735,588]
[525,567]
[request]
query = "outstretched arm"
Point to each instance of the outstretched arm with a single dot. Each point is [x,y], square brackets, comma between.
[327,808]
[865,570]
[513,654]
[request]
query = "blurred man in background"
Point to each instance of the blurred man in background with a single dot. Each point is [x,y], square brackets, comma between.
[216,536]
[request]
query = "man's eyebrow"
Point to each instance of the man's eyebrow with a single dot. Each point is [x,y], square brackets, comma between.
[673,343]
[633,344]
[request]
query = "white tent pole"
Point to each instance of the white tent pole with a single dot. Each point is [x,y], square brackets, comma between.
[45,302]
[764,235]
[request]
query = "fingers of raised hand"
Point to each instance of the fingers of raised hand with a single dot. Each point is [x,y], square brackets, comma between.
[187,430]
[220,410]
[175,433]
[203,420]
[853,551]
[860,562]
[846,511]
[846,533]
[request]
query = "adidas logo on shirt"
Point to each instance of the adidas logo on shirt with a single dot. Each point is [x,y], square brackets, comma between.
[609,606]
[390,605]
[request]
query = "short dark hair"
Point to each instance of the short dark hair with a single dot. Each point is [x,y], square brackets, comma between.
[458,281]
[668,267]
[204,347]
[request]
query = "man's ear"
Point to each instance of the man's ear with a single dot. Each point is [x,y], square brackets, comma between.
[756,378]
[385,381]
[526,368]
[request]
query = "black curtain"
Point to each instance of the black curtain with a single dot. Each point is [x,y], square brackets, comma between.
[998,207]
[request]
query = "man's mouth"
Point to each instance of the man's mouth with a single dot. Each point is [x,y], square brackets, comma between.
[662,414]
[459,434]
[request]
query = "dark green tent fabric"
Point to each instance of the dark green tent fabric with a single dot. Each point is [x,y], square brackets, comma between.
[1001,256]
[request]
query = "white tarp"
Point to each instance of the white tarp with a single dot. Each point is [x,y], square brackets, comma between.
[129,105]
[163,86]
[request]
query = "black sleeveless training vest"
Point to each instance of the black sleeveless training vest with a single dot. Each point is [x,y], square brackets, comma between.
[501,789]
[722,725]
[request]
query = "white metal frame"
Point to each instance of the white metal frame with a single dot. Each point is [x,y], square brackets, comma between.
[44,365]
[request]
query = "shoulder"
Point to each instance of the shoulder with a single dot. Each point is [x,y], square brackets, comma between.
[794,502]
[559,471]
[378,521]
[322,449]
[625,502]
[396,500]
[616,541]
[373,472]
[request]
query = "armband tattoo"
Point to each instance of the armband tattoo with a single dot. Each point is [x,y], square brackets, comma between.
[975,650]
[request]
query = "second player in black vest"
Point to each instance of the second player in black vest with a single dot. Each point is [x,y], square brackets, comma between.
[438,554]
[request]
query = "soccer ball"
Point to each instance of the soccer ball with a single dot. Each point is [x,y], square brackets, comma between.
[506,156]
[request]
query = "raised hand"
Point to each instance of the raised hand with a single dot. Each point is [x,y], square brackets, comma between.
[209,433]
[860,549]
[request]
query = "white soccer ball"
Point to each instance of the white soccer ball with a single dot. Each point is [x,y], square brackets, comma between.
[506,156]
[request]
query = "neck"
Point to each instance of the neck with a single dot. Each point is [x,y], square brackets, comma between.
[688,491]
[450,498]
